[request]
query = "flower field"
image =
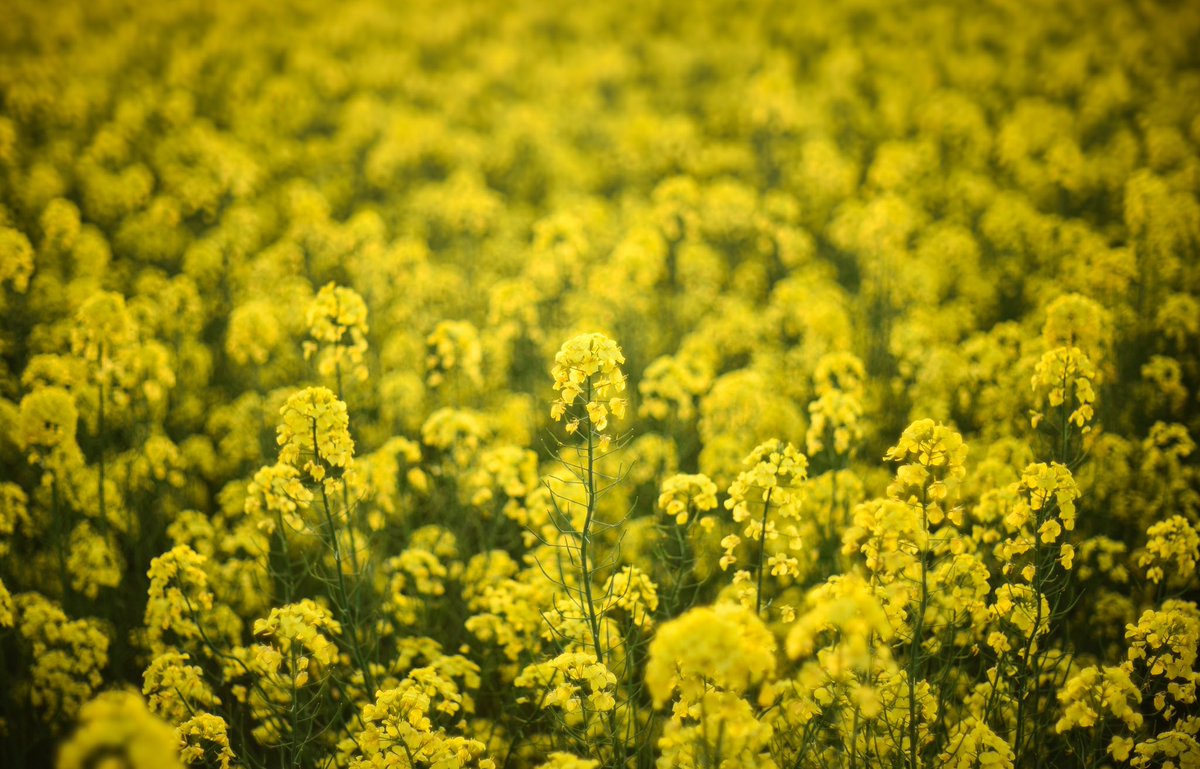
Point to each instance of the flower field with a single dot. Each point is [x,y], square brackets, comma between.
[775,385]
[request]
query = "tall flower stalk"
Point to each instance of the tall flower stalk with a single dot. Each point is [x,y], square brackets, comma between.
[589,381]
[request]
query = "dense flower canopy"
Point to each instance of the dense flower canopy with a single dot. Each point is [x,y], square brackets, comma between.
[628,385]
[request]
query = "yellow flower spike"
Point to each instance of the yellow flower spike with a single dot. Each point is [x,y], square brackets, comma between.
[682,493]
[117,727]
[972,743]
[16,259]
[93,561]
[179,590]
[176,688]
[205,735]
[72,654]
[1062,373]
[597,415]
[1172,545]
[772,481]
[571,392]
[1049,531]
[337,324]
[47,418]
[293,632]
[726,645]
[562,760]
[1119,747]
[315,414]
[587,368]
[454,348]
[560,682]
[103,326]
[1076,320]
[1028,233]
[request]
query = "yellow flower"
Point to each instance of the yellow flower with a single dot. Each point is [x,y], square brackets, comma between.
[683,494]
[179,593]
[935,464]
[560,760]
[1120,747]
[254,333]
[1074,320]
[176,688]
[103,326]
[835,415]
[277,490]
[973,744]
[93,561]
[204,735]
[772,485]
[453,347]
[567,680]
[67,656]
[16,259]
[301,627]
[47,421]
[672,382]
[724,645]
[314,434]
[632,592]
[337,324]
[588,367]
[7,609]
[724,731]
[1065,377]
[1172,546]
[598,415]
[1092,692]
[116,727]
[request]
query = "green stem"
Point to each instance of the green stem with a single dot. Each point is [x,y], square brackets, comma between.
[914,650]
[585,567]
[294,748]
[100,458]
[346,487]
[762,552]
[854,741]
[287,558]
[585,536]
[1065,423]
[349,617]
[63,536]
[1030,673]
[681,561]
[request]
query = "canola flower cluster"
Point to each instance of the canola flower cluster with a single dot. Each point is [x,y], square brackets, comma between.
[655,384]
